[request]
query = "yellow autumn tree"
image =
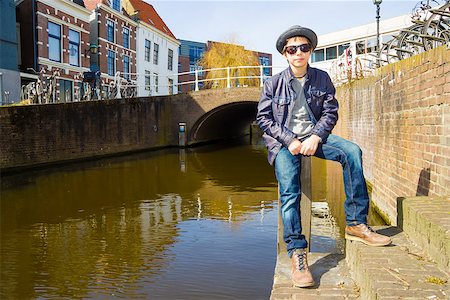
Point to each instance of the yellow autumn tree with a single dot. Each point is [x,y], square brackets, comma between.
[223,55]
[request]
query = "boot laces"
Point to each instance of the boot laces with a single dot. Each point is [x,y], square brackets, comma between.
[300,260]
[367,229]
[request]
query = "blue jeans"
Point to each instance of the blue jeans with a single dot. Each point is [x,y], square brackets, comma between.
[287,171]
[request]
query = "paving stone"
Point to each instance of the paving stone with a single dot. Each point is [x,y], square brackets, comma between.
[398,271]
[281,296]
[404,276]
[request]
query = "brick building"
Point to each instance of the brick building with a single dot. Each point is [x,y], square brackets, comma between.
[53,42]
[190,53]
[114,33]
[9,72]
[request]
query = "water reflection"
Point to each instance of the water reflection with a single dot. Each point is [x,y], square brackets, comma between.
[140,225]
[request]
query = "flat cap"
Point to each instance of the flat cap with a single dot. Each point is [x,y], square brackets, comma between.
[296,30]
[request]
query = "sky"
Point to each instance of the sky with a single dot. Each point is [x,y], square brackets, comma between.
[257,24]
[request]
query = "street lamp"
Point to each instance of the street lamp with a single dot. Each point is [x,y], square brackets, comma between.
[377,3]
[92,49]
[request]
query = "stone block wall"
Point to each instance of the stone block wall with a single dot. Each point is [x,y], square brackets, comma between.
[401,120]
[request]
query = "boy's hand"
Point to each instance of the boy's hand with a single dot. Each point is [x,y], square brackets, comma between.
[309,146]
[295,146]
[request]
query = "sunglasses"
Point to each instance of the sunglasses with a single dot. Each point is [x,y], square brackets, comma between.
[293,49]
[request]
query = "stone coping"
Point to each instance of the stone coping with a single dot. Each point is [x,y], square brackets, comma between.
[398,271]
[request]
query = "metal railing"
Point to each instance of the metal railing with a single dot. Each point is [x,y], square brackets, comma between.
[430,29]
[121,88]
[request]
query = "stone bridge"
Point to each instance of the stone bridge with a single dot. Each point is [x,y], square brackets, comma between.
[33,135]
[217,114]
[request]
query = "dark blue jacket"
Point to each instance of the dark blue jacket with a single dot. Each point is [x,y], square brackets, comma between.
[277,101]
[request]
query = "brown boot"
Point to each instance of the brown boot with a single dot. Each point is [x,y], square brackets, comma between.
[301,275]
[365,234]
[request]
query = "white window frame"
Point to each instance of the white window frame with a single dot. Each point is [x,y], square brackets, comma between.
[147,80]
[60,42]
[114,30]
[79,47]
[156,81]
[127,75]
[149,50]
[129,38]
[114,62]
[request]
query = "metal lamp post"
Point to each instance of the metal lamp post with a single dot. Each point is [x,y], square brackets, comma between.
[377,3]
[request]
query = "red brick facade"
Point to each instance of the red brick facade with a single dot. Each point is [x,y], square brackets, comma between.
[400,119]
[103,14]
[35,42]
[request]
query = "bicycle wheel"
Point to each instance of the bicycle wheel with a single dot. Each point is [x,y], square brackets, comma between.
[410,42]
[436,31]
[388,53]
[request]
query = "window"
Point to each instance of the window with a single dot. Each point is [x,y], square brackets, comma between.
[156,81]
[386,38]
[318,55]
[74,47]
[110,31]
[265,61]
[111,63]
[331,53]
[192,68]
[170,86]
[147,80]
[126,37]
[170,60]
[372,45]
[126,67]
[116,4]
[200,70]
[80,89]
[195,53]
[341,48]
[54,41]
[148,45]
[155,53]
[360,47]
[65,90]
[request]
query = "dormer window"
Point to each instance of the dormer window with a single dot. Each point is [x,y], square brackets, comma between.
[151,21]
[115,4]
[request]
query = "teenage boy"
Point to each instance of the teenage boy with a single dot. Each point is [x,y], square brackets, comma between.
[297,112]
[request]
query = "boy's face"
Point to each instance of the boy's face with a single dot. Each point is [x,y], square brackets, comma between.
[298,59]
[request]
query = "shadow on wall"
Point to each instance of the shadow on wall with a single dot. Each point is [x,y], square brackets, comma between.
[423,189]
[423,186]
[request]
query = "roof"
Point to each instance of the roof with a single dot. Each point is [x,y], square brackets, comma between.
[147,14]
[91,4]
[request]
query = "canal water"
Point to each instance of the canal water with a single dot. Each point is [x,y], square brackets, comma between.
[169,224]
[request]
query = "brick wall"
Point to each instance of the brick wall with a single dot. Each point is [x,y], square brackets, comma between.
[401,120]
[37,134]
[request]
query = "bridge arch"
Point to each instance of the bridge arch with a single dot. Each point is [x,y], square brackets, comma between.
[226,121]
[218,113]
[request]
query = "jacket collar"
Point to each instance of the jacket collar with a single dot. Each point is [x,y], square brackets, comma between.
[290,76]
